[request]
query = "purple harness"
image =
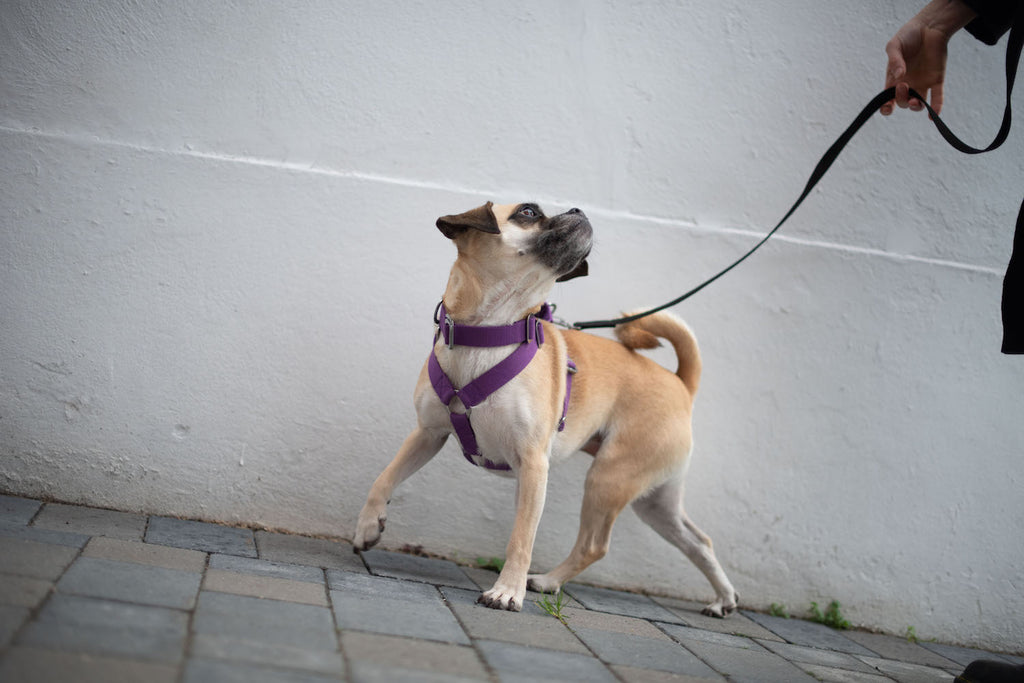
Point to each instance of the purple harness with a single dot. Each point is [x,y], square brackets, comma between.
[528,333]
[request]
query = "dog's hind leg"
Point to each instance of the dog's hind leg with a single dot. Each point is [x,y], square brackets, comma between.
[662,510]
[419,447]
[609,487]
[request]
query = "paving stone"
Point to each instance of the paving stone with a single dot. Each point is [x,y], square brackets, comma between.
[741,665]
[33,559]
[614,623]
[369,672]
[146,553]
[211,646]
[523,628]
[961,655]
[15,510]
[277,570]
[631,674]
[685,634]
[268,587]
[78,624]
[519,664]
[213,671]
[129,582]
[809,655]
[204,536]
[31,533]
[620,602]
[371,654]
[375,586]
[31,665]
[648,653]
[397,608]
[800,632]
[23,591]
[312,552]
[273,622]
[413,568]
[909,673]
[11,619]
[735,624]
[827,675]
[91,521]
[894,647]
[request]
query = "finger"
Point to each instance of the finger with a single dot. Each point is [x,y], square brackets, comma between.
[902,95]
[937,97]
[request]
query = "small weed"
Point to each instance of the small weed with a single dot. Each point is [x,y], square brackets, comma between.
[777,610]
[554,608]
[831,618]
[911,634]
[495,564]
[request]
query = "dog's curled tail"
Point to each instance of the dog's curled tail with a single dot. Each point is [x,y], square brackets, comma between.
[643,333]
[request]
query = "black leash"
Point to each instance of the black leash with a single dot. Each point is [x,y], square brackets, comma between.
[1013,51]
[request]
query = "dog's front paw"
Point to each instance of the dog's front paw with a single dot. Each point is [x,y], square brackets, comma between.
[721,608]
[503,597]
[543,583]
[369,527]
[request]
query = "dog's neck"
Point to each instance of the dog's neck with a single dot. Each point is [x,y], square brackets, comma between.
[471,302]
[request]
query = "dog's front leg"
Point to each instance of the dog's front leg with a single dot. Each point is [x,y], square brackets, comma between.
[419,447]
[509,590]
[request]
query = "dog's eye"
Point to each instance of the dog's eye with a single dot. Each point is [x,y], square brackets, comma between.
[528,212]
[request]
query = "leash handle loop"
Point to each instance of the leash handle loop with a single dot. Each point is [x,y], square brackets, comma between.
[1013,52]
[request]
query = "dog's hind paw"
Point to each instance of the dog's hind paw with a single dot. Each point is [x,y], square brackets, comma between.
[720,609]
[542,583]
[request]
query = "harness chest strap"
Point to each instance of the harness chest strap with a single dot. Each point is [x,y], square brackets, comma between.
[528,332]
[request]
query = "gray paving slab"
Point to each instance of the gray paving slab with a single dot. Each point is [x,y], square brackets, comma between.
[203,536]
[615,623]
[146,553]
[91,521]
[15,510]
[217,647]
[620,602]
[742,665]
[414,568]
[398,613]
[215,671]
[647,653]
[37,560]
[808,633]
[129,582]
[11,619]
[374,586]
[372,656]
[631,674]
[686,634]
[33,665]
[73,623]
[23,591]
[903,672]
[312,552]
[519,664]
[961,655]
[894,647]
[269,587]
[31,533]
[827,675]
[245,618]
[535,629]
[808,655]
[259,567]
[735,624]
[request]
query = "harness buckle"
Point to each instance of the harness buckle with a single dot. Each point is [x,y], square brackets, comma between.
[449,331]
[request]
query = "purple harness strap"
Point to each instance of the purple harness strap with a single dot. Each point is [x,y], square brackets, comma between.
[528,333]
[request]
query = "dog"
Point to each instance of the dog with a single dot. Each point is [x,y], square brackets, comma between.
[632,415]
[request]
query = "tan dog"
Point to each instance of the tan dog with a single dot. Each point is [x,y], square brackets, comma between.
[629,413]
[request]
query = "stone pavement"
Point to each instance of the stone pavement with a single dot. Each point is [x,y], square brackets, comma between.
[96,595]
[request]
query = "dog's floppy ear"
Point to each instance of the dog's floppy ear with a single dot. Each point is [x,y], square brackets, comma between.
[481,218]
[579,271]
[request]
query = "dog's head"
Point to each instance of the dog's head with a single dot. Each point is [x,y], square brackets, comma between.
[519,237]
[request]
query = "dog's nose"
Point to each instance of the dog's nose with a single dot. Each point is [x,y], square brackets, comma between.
[574,210]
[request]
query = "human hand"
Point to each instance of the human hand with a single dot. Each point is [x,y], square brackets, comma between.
[917,54]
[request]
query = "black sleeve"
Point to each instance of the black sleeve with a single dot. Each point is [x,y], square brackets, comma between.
[994,18]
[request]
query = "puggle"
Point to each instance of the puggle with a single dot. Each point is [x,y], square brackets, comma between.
[623,409]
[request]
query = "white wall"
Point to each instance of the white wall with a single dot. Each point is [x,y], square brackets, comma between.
[218,265]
